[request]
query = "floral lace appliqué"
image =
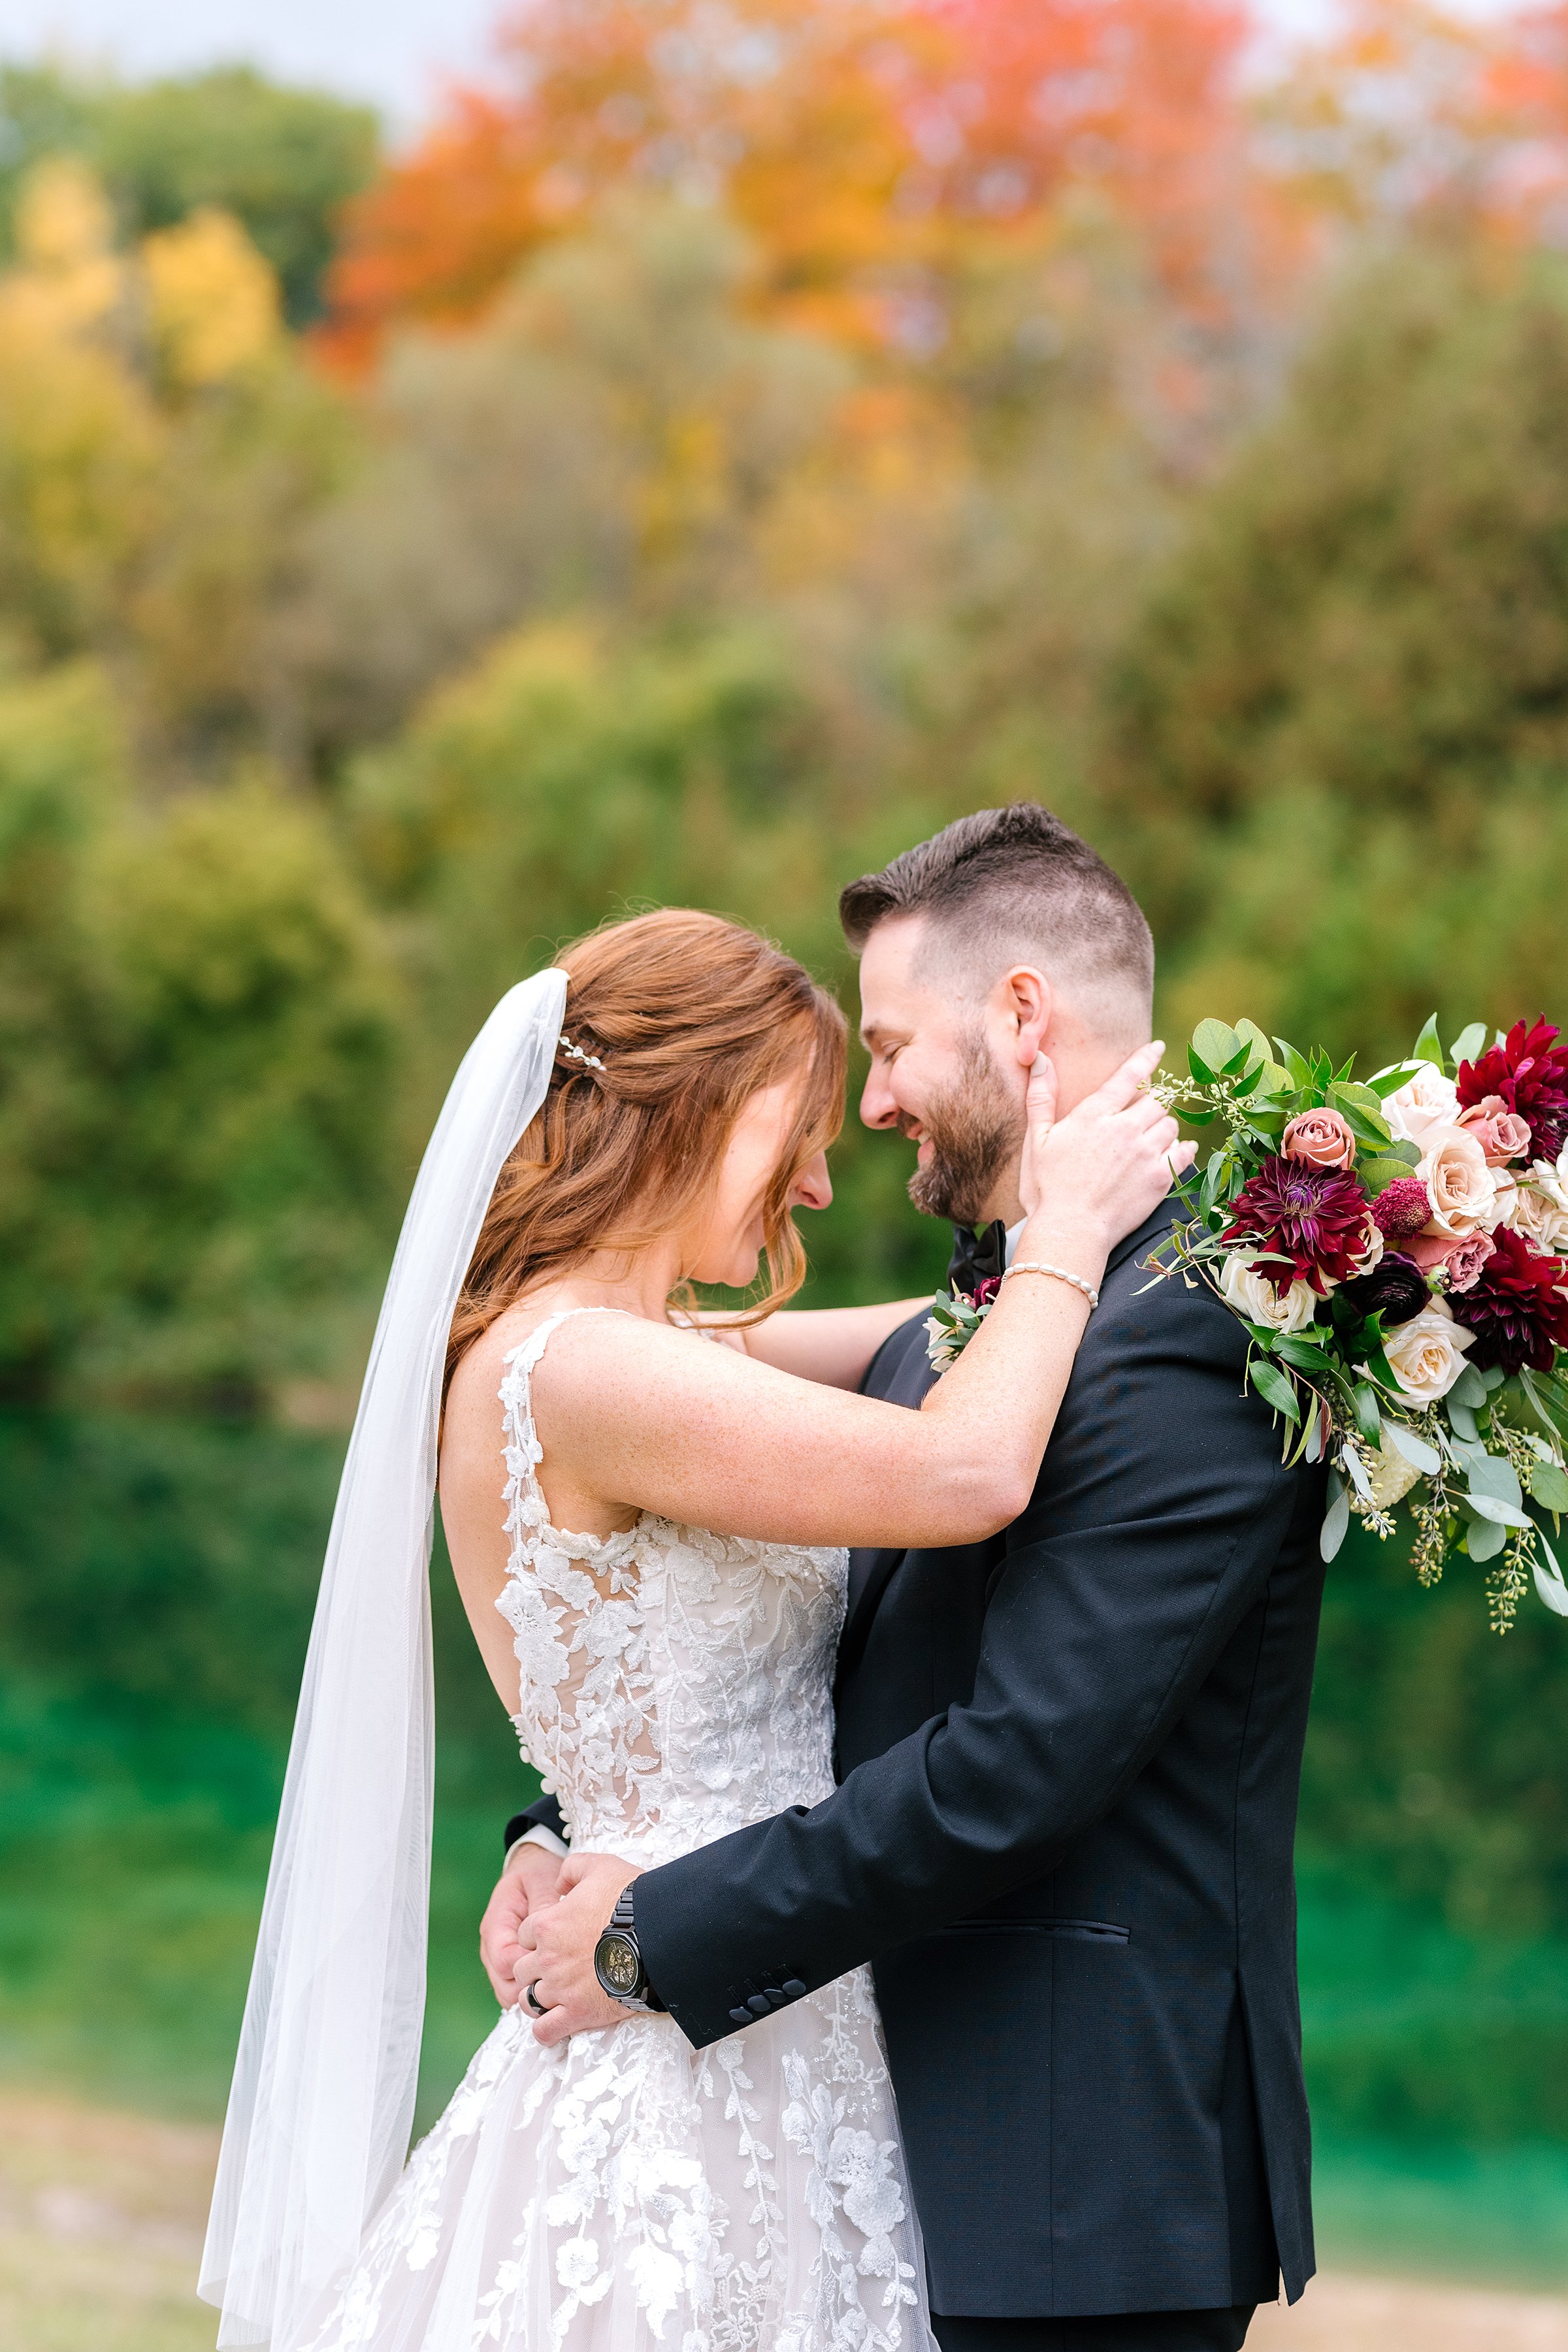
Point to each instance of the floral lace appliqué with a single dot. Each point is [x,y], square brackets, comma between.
[624,2192]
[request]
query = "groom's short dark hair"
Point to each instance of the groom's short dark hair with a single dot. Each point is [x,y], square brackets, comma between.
[1010,886]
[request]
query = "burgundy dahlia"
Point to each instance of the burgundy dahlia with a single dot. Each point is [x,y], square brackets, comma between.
[1313,1218]
[1402,1208]
[1529,1071]
[1515,1307]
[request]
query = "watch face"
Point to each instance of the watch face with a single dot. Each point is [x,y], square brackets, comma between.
[617,1964]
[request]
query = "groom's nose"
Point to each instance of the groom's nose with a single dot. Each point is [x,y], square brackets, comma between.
[877,1105]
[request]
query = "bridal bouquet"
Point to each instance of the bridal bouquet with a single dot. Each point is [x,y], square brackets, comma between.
[1397,1250]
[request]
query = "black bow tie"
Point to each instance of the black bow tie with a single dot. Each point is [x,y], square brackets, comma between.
[976,1257]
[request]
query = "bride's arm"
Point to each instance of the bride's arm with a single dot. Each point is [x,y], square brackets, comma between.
[634,1416]
[834,1345]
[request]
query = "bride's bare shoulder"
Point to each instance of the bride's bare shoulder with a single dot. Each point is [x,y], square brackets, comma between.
[591,1346]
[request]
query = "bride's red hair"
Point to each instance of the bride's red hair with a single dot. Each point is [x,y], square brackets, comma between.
[690,1016]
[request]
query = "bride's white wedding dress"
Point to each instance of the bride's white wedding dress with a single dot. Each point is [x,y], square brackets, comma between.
[623,2191]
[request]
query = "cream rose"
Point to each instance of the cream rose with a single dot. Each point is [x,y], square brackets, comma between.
[1539,1213]
[1460,1186]
[1425,1101]
[1254,1298]
[1426,1355]
[1505,1198]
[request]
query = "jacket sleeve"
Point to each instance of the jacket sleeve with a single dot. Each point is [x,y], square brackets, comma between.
[1159,1512]
[544,1813]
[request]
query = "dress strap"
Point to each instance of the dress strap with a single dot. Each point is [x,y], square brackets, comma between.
[524,1496]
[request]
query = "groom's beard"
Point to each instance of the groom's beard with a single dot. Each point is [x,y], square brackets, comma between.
[976,1133]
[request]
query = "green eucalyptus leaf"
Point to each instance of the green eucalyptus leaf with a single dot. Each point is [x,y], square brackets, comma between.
[1493,1476]
[1275,1387]
[1501,1515]
[1415,1450]
[1368,1413]
[1336,1519]
[1484,1538]
[1549,1581]
[1549,1486]
[1469,1044]
[1251,1034]
[1300,1352]
[1295,1063]
[1469,1389]
[1462,1420]
[1215,1042]
[1428,1046]
[1378,1173]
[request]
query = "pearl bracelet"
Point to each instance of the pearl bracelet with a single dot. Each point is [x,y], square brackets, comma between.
[1033,1266]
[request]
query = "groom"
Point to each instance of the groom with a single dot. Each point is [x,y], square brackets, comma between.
[1068,1756]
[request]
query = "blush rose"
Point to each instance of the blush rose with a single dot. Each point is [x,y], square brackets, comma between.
[1426,1100]
[1501,1132]
[1459,1183]
[1322,1138]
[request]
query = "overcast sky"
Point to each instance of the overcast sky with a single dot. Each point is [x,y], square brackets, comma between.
[393,52]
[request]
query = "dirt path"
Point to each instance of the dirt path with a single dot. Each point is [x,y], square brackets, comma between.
[101,2218]
[1357,2315]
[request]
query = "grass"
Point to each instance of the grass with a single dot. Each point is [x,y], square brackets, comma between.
[155,1588]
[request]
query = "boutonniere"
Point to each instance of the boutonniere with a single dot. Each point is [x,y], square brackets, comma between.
[953,1320]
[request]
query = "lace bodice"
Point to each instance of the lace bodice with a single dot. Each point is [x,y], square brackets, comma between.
[675,1684]
[623,2191]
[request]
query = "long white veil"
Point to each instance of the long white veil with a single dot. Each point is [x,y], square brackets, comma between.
[322,2101]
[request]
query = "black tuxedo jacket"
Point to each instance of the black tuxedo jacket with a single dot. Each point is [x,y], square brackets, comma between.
[1069,1761]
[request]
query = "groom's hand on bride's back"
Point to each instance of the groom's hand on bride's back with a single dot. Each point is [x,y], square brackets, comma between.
[527,1884]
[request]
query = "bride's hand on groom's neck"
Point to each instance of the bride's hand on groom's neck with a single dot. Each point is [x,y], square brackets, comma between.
[557,1947]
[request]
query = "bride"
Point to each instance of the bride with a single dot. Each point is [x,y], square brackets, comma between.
[646,1509]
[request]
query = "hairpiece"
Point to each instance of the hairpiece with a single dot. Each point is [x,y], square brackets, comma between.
[575,1053]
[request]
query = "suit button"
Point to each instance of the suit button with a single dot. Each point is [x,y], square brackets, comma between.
[739,2017]
[759,2005]
[795,1988]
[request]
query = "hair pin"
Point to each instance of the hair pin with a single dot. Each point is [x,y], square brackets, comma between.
[575,1053]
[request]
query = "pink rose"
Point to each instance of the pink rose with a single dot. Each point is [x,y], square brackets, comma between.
[1501,1132]
[1462,1266]
[1322,1138]
[1468,1252]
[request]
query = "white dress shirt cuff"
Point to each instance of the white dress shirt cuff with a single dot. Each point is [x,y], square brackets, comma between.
[538,1835]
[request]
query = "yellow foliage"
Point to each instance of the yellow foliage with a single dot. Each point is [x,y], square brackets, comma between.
[214,299]
[65,239]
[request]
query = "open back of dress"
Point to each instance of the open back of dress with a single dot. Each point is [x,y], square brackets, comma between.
[624,2192]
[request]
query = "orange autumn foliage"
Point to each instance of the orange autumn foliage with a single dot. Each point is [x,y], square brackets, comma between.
[862,145]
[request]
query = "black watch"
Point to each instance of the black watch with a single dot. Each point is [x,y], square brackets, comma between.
[619,1961]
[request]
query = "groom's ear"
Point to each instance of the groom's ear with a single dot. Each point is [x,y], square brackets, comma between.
[1026,999]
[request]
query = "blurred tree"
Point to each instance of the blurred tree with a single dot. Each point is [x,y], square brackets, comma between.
[198,1026]
[281,161]
[861,146]
[1341,729]
[614,435]
[162,449]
